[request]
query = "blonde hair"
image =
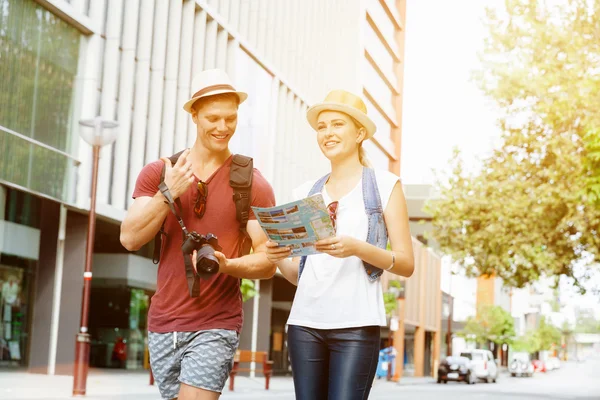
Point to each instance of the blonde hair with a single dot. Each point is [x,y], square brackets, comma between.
[362,153]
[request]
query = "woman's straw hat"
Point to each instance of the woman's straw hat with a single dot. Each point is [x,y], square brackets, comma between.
[347,103]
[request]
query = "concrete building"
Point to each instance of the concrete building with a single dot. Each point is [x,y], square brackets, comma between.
[133,61]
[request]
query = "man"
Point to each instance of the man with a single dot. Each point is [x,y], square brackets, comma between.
[192,340]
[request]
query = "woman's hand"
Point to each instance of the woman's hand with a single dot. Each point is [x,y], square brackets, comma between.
[338,246]
[275,253]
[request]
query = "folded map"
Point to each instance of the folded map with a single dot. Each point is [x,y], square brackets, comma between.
[298,224]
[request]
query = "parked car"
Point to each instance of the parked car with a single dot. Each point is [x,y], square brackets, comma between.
[459,369]
[553,363]
[539,366]
[521,365]
[483,363]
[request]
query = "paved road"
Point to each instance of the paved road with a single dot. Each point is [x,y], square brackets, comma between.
[572,382]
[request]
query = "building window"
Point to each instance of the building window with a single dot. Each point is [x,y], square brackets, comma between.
[38,65]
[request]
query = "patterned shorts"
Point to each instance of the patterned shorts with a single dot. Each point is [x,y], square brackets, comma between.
[200,359]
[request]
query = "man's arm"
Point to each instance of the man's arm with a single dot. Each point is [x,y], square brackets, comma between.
[147,213]
[143,221]
[251,266]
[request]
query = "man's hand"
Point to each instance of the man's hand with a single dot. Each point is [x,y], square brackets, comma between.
[223,261]
[275,253]
[180,176]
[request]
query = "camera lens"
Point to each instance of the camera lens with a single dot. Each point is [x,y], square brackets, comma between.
[206,262]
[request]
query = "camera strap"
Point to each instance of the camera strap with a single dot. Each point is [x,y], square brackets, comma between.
[165,192]
[190,275]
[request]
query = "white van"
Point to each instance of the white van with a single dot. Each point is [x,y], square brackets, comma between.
[484,363]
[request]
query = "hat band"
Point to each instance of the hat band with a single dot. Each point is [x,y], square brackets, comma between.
[212,89]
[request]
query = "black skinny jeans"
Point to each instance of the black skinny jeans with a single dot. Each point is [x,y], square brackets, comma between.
[333,364]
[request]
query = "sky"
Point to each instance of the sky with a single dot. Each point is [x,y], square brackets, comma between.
[442,107]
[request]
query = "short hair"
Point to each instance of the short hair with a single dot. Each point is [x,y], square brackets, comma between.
[215,97]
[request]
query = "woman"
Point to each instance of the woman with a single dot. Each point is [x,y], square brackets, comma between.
[333,328]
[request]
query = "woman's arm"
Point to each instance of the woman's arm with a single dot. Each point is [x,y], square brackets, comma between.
[289,269]
[396,220]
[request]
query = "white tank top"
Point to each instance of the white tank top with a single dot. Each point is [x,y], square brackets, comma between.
[335,293]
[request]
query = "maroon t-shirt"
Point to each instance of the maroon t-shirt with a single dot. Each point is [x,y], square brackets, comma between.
[219,305]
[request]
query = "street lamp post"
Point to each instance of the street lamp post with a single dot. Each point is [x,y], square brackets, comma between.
[450,317]
[97,132]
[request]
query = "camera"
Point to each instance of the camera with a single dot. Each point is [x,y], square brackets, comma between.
[206,262]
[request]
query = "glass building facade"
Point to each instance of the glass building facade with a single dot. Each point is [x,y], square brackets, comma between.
[38,65]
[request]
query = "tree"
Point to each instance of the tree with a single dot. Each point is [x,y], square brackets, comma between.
[547,335]
[528,343]
[540,64]
[516,219]
[540,339]
[491,324]
[530,211]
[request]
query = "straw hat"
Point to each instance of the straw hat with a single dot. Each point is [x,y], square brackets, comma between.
[211,82]
[347,103]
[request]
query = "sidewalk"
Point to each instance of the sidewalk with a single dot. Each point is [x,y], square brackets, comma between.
[120,385]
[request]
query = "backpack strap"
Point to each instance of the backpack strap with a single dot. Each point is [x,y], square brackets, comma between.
[240,179]
[161,232]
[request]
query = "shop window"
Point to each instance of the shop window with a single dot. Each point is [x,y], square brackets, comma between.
[15,306]
[119,327]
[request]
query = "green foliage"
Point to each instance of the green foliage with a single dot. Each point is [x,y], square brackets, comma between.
[395,284]
[518,219]
[532,209]
[248,290]
[491,324]
[539,339]
[547,335]
[528,343]
[390,297]
[390,302]
[540,64]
